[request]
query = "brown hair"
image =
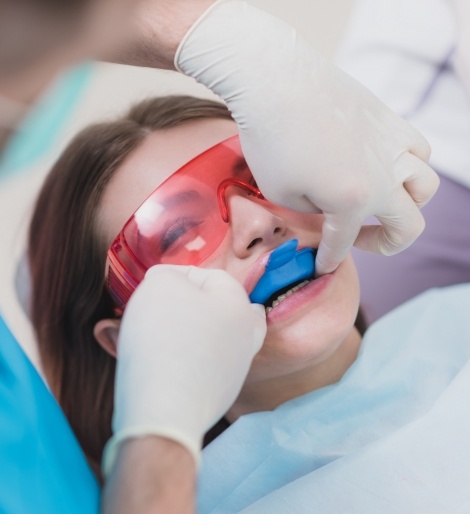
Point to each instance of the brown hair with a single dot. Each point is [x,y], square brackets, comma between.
[67,261]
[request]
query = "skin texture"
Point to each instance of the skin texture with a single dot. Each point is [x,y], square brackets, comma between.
[50,42]
[133,32]
[164,471]
[159,27]
[311,340]
[48,45]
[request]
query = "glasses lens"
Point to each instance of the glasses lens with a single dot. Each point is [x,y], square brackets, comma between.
[181,221]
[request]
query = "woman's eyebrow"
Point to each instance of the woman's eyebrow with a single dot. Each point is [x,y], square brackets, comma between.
[180,197]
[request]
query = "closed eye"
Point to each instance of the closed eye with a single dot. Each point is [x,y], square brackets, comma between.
[175,232]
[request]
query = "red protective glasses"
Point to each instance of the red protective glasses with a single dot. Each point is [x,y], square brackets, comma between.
[182,222]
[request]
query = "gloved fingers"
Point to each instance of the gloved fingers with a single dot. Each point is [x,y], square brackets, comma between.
[202,278]
[399,228]
[214,280]
[221,286]
[415,142]
[338,236]
[164,280]
[190,276]
[421,180]
[406,137]
[161,270]
[227,290]
[259,326]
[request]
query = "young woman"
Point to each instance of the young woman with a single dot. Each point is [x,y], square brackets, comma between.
[115,170]
[97,184]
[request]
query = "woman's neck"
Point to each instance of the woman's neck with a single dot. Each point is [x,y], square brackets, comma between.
[268,394]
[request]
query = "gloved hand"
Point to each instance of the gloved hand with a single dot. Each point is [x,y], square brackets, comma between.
[461,10]
[314,138]
[185,346]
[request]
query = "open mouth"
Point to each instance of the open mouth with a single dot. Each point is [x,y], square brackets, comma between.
[279,296]
[287,271]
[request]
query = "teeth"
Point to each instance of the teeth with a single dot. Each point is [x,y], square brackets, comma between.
[283,296]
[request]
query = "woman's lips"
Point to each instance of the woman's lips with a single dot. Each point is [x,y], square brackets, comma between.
[256,272]
[306,295]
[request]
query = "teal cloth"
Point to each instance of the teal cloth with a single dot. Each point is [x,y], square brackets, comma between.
[40,129]
[42,468]
[391,437]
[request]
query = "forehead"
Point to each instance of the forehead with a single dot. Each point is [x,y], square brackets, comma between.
[160,154]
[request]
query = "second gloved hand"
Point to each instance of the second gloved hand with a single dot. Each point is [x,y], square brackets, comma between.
[314,138]
[186,343]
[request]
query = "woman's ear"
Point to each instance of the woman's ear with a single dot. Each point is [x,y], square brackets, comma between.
[106,332]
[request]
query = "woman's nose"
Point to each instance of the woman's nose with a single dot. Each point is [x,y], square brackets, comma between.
[252,224]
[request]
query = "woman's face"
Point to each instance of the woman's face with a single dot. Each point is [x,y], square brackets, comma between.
[307,327]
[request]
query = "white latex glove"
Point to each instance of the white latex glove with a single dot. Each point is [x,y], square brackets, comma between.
[185,346]
[314,138]
[461,9]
